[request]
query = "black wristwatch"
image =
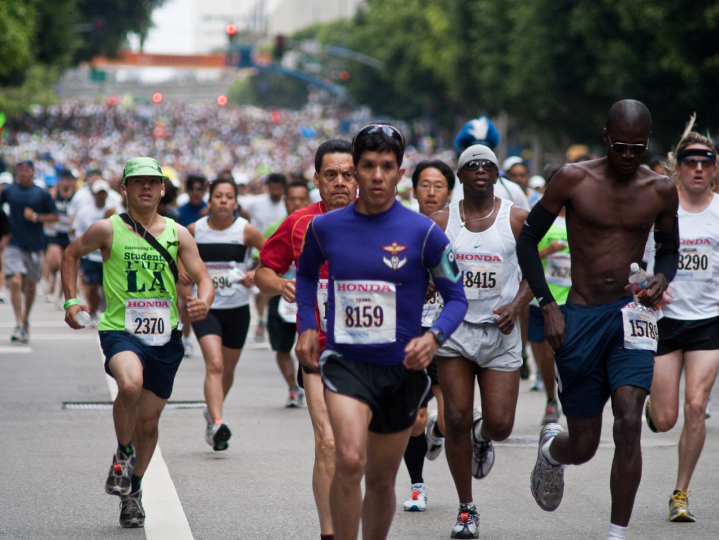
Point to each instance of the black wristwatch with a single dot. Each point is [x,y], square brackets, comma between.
[438,336]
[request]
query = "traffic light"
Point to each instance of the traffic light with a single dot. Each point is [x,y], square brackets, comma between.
[157,97]
[231,30]
[279,48]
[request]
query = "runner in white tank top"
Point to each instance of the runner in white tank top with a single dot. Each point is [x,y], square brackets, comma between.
[488,345]
[689,331]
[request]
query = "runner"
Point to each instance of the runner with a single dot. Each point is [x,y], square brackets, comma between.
[30,207]
[281,315]
[488,345]
[433,182]
[57,234]
[138,332]
[689,331]
[334,179]
[223,241]
[374,365]
[612,203]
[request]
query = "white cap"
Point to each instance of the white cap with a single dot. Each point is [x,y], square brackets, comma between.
[100,185]
[510,162]
[477,151]
[5,178]
[536,182]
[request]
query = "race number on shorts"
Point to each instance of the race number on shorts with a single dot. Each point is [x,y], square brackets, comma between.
[695,260]
[365,312]
[640,327]
[559,269]
[149,320]
[323,298]
[482,274]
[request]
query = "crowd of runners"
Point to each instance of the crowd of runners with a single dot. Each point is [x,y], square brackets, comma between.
[390,296]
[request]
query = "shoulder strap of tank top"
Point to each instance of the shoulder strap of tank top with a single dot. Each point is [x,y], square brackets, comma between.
[139,229]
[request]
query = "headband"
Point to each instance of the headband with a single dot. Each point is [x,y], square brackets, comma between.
[697,152]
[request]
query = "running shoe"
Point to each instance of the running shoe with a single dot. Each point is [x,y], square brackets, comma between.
[188,347]
[94,320]
[524,370]
[551,414]
[18,334]
[217,435]
[482,453]
[547,480]
[467,522]
[260,332]
[417,502]
[296,398]
[679,507]
[119,478]
[648,418]
[538,384]
[132,514]
[434,443]
[26,333]
[207,417]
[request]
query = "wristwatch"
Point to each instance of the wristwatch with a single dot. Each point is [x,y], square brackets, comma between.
[35,217]
[438,336]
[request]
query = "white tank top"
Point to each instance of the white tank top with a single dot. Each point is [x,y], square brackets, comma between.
[221,251]
[488,262]
[696,285]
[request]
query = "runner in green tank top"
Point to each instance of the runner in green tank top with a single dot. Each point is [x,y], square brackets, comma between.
[139,332]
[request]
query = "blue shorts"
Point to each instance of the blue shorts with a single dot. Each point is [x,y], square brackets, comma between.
[160,363]
[592,362]
[91,272]
[535,325]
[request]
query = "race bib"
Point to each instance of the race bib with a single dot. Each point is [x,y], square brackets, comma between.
[482,274]
[695,260]
[219,273]
[64,224]
[365,312]
[149,320]
[559,269]
[640,327]
[287,311]
[430,309]
[323,298]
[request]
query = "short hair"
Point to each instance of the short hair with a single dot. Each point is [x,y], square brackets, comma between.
[193,179]
[170,193]
[438,164]
[225,173]
[277,178]
[223,180]
[377,141]
[296,184]
[333,146]
[93,172]
[66,173]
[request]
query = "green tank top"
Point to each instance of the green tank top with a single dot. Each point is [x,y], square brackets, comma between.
[135,270]
[560,266]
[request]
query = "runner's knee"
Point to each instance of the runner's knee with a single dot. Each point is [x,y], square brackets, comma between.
[350,463]
[458,423]
[695,411]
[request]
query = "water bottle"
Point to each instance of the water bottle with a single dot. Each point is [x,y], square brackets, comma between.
[83,318]
[637,281]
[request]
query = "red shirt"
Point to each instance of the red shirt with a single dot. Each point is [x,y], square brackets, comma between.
[285,246]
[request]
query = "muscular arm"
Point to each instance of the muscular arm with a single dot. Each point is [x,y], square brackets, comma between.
[270,283]
[188,253]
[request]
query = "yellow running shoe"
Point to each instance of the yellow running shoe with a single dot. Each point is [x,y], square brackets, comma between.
[679,507]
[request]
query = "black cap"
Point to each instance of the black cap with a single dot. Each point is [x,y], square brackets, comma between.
[25,162]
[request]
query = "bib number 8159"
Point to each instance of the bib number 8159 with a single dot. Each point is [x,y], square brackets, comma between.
[364,318]
[150,325]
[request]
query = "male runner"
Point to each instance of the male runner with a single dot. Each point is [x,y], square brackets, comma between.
[58,234]
[611,204]
[380,257]
[138,332]
[334,179]
[488,345]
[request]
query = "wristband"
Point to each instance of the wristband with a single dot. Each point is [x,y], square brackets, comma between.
[71,302]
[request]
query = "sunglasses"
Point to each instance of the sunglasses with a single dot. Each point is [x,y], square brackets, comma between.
[620,147]
[388,130]
[692,162]
[486,164]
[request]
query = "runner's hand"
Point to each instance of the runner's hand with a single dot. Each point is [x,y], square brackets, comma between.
[506,318]
[184,279]
[196,308]
[307,349]
[29,213]
[420,351]
[554,325]
[653,292]
[288,291]
[249,279]
[71,315]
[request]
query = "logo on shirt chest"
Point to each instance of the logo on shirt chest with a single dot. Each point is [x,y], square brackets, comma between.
[395,263]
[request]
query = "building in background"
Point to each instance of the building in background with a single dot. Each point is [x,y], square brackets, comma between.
[288,16]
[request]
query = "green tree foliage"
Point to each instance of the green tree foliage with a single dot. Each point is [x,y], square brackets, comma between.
[269,90]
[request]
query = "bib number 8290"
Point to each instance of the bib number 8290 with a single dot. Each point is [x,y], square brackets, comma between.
[364,318]
[147,326]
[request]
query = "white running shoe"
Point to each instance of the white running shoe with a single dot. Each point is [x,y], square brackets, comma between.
[467,522]
[188,347]
[417,502]
[482,454]
[296,398]
[547,480]
[217,436]
[434,443]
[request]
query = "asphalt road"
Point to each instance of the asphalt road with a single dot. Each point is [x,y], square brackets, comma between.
[54,461]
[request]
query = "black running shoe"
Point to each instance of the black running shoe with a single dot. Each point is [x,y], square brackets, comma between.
[132,514]
[119,479]
[467,522]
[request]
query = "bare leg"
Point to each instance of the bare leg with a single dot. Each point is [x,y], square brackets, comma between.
[437,391]
[664,408]
[128,372]
[92,295]
[145,438]
[30,289]
[15,284]
[287,368]
[211,346]
[547,368]
[499,391]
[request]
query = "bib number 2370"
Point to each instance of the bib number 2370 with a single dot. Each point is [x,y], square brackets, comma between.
[149,320]
[365,312]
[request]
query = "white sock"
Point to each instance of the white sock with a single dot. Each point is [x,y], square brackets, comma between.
[547,454]
[616,532]
[477,429]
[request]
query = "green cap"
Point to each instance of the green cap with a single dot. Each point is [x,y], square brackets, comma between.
[142,166]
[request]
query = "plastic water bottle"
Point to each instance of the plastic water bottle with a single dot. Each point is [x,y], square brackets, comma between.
[83,318]
[637,281]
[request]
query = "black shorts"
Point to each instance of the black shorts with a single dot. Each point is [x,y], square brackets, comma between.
[393,393]
[282,333]
[676,335]
[159,364]
[91,272]
[60,239]
[230,324]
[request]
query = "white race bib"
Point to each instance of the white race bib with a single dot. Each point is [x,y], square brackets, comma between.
[365,312]
[482,274]
[149,320]
[695,260]
[218,272]
[640,327]
[559,269]
[287,311]
[323,298]
[430,309]
[64,224]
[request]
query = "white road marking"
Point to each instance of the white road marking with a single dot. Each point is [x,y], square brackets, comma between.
[164,517]
[48,324]
[9,349]
[63,337]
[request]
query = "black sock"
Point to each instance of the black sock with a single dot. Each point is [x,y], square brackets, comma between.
[136,483]
[414,457]
[437,432]
[125,449]
[327,536]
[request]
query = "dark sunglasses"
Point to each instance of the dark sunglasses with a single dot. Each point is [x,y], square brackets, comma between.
[620,147]
[692,162]
[486,164]
[388,130]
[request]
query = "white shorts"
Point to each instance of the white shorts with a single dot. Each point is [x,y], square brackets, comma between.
[27,263]
[485,345]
